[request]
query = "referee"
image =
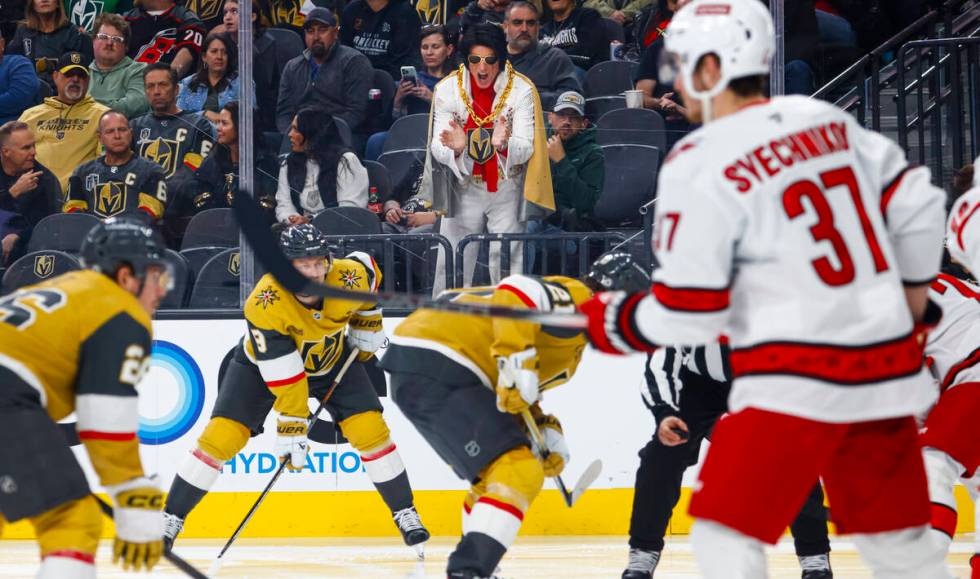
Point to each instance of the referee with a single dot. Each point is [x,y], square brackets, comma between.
[683,421]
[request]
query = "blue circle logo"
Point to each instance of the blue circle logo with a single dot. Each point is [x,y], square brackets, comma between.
[188,401]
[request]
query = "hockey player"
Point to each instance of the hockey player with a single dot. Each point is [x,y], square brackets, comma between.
[294,347]
[80,343]
[808,243]
[174,139]
[687,390]
[951,433]
[460,380]
[118,181]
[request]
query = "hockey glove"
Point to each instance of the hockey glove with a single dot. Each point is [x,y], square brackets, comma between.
[517,381]
[365,332]
[139,523]
[291,442]
[554,440]
[610,327]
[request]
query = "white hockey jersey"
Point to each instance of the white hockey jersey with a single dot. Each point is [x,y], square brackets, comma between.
[789,230]
[963,230]
[953,349]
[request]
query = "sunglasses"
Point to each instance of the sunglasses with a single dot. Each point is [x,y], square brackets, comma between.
[474,59]
[110,38]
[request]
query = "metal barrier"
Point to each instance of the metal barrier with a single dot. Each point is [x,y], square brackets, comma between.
[413,251]
[648,212]
[540,244]
[943,84]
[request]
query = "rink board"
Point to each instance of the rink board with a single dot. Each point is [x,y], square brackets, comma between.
[600,409]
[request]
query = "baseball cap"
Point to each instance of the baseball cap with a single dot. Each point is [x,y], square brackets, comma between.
[321,15]
[570,100]
[71,61]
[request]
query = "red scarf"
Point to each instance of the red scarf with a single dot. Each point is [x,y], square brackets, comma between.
[482,106]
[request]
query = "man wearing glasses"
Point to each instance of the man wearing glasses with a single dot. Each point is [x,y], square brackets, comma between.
[488,159]
[117,80]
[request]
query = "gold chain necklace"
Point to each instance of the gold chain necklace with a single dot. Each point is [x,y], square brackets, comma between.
[480,121]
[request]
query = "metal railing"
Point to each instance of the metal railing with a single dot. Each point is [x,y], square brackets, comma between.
[575,252]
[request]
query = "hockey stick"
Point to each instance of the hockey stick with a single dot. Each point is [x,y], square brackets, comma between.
[216,565]
[588,477]
[266,248]
[169,555]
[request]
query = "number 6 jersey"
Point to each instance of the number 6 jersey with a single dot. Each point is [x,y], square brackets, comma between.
[79,343]
[790,230]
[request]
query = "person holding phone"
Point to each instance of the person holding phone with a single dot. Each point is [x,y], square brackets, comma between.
[436,49]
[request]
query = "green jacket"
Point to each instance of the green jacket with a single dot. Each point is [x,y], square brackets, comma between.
[578,178]
[120,88]
[606,7]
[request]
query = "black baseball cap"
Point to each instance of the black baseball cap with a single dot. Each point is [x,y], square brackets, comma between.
[72,61]
[321,15]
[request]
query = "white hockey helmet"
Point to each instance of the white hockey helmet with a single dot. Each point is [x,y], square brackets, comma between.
[739,32]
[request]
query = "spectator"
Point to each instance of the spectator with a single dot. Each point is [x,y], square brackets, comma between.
[18,84]
[659,96]
[27,189]
[119,181]
[208,11]
[436,47]
[286,14]
[577,167]
[653,21]
[117,80]
[386,31]
[176,140]
[328,75]
[319,172]
[216,83]
[83,14]
[549,68]
[487,161]
[66,125]
[269,58]
[45,35]
[576,30]
[622,11]
[404,210]
[165,32]
[483,11]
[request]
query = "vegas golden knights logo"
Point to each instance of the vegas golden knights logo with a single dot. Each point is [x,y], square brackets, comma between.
[478,145]
[205,9]
[43,266]
[287,12]
[163,152]
[429,11]
[235,263]
[110,199]
[319,357]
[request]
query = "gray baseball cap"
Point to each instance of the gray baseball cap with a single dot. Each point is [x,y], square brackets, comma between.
[321,15]
[570,100]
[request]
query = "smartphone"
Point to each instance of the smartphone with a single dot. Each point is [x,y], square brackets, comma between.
[409,74]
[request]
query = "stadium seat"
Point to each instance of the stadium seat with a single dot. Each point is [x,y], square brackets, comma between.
[36,267]
[211,227]
[196,257]
[217,284]
[631,181]
[608,78]
[290,43]
[408,132]
[399,163]
[596,107]
[182,281]
[379,117]
[347,221]
[62,232]
[378,177]
[632,127]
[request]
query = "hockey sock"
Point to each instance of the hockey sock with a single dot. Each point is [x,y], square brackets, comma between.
[724,553]
[904,554]
[67,565]
[194,479]
[385,469]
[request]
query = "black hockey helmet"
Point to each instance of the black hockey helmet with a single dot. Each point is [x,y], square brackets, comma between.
[121,241]
[617,271]
[304,240]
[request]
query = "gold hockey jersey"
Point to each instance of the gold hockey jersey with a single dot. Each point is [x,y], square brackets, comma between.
[80,343]
[475,342]
[290,342]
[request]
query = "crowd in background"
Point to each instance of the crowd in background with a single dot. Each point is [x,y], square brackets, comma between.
[329,79]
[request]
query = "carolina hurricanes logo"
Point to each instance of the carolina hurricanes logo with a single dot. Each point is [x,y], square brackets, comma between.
[350,278]
[267,297]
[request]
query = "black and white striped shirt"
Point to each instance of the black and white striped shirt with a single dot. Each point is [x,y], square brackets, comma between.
[663,384]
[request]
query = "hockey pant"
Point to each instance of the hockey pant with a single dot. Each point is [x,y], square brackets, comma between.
[944,472]
[69,536]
